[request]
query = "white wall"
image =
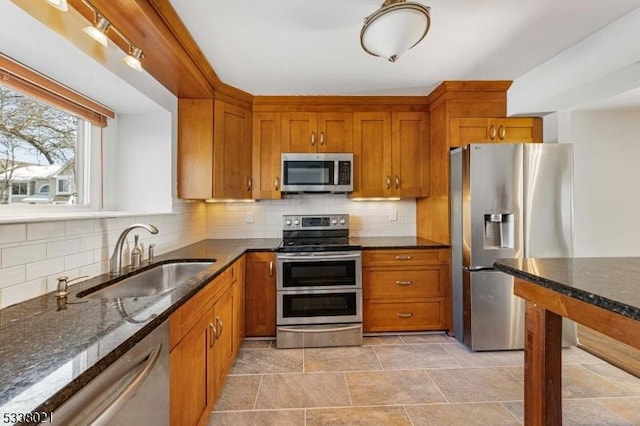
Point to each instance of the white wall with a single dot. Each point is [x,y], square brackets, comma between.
[367,218]
[607,172]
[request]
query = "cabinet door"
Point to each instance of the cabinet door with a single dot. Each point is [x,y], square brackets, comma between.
[521,129]
[299,132]
[195,148]
[238,304]
[232,152]
[335,132]
[260,294]
[372,154]
[410,145]
[191,375]
[223,347]
[267,136]
[464,131]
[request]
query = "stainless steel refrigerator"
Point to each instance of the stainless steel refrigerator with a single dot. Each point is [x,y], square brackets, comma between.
[507,201]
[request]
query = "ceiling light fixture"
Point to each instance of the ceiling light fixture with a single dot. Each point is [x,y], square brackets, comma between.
[133,58]
[394,28]
[59,4]
[98,31]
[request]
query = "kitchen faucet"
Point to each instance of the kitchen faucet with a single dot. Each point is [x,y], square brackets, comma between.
[116,258]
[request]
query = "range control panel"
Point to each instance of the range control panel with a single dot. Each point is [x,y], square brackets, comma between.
[315,222]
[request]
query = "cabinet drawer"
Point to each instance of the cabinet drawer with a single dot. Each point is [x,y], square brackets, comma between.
[405,283]
[404,316]
[404,257]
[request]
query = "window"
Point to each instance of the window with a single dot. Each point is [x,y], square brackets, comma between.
[64,186]
[44,189]
[19,188]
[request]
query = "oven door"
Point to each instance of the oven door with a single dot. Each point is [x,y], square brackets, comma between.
[299,307]
[317,270]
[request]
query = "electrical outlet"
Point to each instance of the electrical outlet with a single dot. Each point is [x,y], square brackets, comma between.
[393,216]
[249,217]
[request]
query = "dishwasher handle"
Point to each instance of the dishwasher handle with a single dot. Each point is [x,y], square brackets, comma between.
[129,391]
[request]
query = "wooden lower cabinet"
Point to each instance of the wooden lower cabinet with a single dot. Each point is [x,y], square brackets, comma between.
[406,290]
[260,294]
[204,336]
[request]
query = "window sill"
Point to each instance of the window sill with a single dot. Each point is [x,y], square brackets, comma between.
[19,217]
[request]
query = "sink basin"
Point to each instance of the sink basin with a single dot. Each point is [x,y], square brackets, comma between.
[151,282]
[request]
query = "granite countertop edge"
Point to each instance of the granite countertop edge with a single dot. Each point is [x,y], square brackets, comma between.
[233,249]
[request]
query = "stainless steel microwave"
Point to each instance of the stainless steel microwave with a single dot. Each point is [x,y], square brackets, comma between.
[308,172]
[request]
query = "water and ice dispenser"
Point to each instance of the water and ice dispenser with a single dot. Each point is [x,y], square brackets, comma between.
[499,230]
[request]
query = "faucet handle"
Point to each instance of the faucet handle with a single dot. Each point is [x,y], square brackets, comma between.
[151,251]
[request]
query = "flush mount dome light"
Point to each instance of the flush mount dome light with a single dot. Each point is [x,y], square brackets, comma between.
[394,28]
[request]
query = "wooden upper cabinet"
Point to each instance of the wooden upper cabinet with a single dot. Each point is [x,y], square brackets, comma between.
[372,154]
[231,152]
[317,132]
[195,148]
[267,136]
[410,155]
[494,130]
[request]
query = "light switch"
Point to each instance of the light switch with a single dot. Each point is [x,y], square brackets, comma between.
[393,216]
[249,217]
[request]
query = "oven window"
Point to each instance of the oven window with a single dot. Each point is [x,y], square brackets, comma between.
[308,172]
[315,305]
[319,274]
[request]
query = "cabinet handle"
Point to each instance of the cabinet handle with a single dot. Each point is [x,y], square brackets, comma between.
[271,269]
[212,334]
[388,182]
[313,138]
[404,315]
[218,328]
[249,184]
[397,182]
[502,132]
[277,183]
[404,257]
[404,283]
[321,138]
[492,132]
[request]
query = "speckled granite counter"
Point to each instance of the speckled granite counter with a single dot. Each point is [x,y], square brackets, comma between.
[47,354]
[609,283]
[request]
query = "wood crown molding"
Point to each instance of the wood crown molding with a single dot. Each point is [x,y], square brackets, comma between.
[462,89]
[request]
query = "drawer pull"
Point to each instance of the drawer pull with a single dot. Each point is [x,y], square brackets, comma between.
[404,315]
[404,257]
[404,283]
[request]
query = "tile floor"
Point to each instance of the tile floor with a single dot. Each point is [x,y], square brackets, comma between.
[411,380]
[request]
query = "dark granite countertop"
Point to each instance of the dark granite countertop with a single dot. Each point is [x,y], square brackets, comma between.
[609,283]
[47,354]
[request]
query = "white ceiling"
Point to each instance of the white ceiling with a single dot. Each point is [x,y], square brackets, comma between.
[296,47]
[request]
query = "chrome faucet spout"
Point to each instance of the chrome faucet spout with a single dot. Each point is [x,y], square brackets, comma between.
[115,267]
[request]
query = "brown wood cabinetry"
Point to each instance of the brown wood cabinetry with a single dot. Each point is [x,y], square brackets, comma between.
[317,132]
[267,137]
[494,130]
[406,290]
[391,154]
[214,150]
[260,294]
[203,339]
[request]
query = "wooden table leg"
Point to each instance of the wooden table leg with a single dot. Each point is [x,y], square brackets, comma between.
[542,367]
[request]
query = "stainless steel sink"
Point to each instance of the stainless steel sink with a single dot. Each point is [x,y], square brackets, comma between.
[151,282]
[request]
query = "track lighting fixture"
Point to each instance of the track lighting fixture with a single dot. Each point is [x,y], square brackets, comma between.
[98,31]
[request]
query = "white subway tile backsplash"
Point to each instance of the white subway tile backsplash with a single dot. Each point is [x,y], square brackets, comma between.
[44,230]
[79,227]
[44,268]
[23,254]
[23,291]
[78,260]
[12,276]
[63,247]
[13,233]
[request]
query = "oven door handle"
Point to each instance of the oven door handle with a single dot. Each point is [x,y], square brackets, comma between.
[320,257]
[319,330]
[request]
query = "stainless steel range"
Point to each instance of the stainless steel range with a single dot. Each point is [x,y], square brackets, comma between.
[319,290]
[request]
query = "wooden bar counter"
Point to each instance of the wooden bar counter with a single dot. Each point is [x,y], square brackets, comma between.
[600,293]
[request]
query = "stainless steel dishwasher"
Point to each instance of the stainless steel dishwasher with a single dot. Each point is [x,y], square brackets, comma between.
[134,390]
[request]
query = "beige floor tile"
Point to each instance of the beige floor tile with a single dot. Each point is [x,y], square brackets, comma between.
[382,340]
[480,414]
[239,393]
[617,376]
[580,382]
[350,358]
[627,408]
[303,390]
[468,358]
[256,344]
[577,412]
[426,338]
[403,357]
[392,387]
[268,361]
[369,416]
[258,418]
[477,384]
[575,355]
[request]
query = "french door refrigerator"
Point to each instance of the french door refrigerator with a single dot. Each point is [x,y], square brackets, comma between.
[507,201]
